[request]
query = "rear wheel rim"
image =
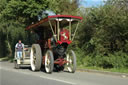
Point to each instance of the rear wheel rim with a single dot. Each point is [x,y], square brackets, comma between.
[33,59]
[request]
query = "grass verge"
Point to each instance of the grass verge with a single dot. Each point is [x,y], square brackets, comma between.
[119,70]
[10,59]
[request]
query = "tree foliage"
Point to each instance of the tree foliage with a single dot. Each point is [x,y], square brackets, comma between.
[16,15]
[24,10]
[102,38]
[104,34]
[64,6]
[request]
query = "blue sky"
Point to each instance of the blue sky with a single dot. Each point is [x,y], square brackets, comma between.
[90,3]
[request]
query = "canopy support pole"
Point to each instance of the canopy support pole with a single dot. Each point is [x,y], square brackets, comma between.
[75,31]
[58,29]
[70,30]
[52,30]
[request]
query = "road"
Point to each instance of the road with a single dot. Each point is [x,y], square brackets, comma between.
[24,76]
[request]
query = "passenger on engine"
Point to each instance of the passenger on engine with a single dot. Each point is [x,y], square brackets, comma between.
[19,49]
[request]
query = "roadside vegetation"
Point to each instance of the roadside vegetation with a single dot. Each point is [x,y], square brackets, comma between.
[101,41]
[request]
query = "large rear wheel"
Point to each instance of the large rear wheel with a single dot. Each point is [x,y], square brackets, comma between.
[71,61]
[35,57]
[49,61]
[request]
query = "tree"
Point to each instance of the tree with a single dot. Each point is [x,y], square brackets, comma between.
[104,33]
[24,11]
[64,6]
[15,15]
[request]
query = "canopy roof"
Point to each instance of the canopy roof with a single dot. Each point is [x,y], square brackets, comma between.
[64,18]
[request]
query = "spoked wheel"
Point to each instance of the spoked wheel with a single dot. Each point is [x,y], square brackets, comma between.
[16,66]
[35,57]
[71,61]
[49,62]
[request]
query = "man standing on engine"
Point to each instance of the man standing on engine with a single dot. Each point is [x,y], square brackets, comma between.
[19,49]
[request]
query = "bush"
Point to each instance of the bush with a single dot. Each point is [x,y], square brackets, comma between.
[80,56]
[115,60]
[103,36]
[119,60]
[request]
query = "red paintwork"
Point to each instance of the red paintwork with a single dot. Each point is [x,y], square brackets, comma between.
[43,60]
[60,61]
[59,42]
[68,42]
[65,16]
[50,17]
[37,24]
[49,43]
[64,33]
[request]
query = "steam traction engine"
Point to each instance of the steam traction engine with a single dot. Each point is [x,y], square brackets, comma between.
[55,34]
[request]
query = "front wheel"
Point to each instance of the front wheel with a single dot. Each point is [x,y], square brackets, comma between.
[49,61]
[71,61]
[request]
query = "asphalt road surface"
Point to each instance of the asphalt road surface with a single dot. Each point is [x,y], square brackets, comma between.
[24,76]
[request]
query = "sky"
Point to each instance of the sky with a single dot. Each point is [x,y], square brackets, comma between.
[90,3]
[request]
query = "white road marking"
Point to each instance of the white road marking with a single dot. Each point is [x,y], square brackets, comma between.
[57,80]
[45,77]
